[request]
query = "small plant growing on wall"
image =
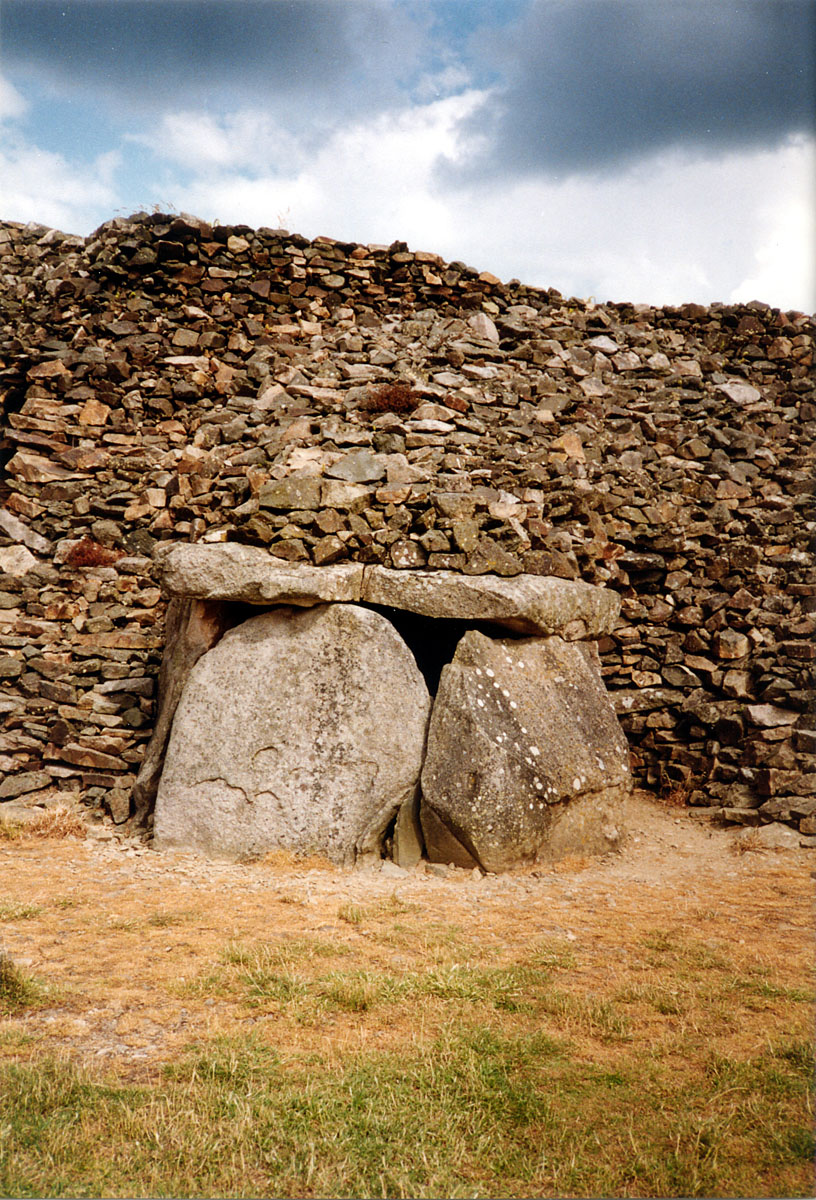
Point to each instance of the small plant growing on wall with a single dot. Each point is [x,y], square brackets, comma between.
[392,397]
[88,553]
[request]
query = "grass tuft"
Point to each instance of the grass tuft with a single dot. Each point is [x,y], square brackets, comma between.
[163,920]
[10,830]
[18,912]
[352,914]
[58,822]
[18,989]
[748,842]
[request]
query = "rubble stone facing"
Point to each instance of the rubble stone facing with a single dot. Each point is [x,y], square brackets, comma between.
[525,756]
[317,747]
[165,380]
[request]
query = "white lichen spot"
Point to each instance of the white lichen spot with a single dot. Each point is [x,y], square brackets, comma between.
[489,672]
[513,704]
[576,783]
[478,670]
[480,702]
[505,692]
[531,804]
[539,785]
[535,750]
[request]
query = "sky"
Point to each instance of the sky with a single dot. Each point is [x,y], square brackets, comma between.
[655,151]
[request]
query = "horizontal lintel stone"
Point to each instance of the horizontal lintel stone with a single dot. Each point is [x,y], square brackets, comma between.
[235,572]
[529,604]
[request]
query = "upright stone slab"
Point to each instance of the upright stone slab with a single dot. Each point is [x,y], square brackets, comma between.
[302,729]
[191,628]
[525,757]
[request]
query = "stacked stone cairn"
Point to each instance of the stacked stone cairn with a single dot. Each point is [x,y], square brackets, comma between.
[324,404]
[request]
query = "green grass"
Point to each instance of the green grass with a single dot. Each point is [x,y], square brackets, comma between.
[18,989]
[163,920]
[353,914]
[488,1072]
[686,979]
[356,914]
[11,1035]
[18,912]
[285,953]
[288,977]
[476,1112]
[10,830]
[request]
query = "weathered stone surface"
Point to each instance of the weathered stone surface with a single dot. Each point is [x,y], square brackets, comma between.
[360,466]
[408,844]
[525,757]
[26,781]
[16,560]
[249,574]
[20,532]
[767,716]
[192,627]
[290,493]
[531,604]
[318,746]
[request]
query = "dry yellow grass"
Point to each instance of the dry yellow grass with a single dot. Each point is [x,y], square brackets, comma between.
[651,967]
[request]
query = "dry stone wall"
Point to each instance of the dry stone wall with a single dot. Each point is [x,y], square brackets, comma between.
[165,380]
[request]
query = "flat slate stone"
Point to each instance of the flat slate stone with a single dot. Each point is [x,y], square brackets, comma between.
[531,604]
[230,571]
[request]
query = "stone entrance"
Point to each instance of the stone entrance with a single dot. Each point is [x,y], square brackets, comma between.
[459,717]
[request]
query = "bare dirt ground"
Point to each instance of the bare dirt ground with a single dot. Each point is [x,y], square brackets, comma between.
[121,933]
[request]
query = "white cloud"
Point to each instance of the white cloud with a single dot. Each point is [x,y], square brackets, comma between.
[371,181]
[675,228]
[785,256]
[248,139]
[12,104]
[672,229]
[37,185]
[450,79]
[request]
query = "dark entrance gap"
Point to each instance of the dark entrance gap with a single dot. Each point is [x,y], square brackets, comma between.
[12,401]
[433,640]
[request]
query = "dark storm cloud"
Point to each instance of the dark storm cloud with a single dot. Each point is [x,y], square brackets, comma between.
[149,54]
[592,84]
